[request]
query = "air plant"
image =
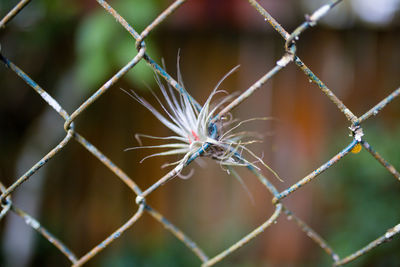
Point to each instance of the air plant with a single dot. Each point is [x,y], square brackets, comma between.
[199,130]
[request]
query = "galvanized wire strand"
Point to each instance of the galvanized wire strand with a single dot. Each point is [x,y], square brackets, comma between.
[5,208]
[279,65]
[105,87]
[119,18]
[291,216]
[177,233]
[170,175]
[310,22]
[305,228]
[140,43]
[341,106]
[110,238]
[381,160]
[278,208]
[292,48]
[108,163]
[271,188]
[13,12]
[246,239]
[132,185]
[168,78]
[140,38]
[37,166]
[311,234]
[50,100]
[380,240]
[175,171]
[30,221]
[270,19]
[6,203]
[256,232]
[378,107]
[168,11]
[316,172]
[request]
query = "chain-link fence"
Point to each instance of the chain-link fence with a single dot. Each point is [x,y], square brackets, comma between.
[142,207]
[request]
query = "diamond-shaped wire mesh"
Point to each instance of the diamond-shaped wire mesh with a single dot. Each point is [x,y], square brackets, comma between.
[287,58]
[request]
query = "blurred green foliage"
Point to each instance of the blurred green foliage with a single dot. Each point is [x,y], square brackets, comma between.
[363,200]
[150,253]
[104,46]
[169,253]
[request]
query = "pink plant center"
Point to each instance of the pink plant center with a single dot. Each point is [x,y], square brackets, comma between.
[196,138]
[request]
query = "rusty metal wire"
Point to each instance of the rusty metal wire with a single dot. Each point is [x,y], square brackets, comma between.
[277,197]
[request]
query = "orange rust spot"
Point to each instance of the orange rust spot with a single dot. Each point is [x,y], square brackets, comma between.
[356,149]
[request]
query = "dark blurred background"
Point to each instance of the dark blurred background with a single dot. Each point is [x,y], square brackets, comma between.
[71,48]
